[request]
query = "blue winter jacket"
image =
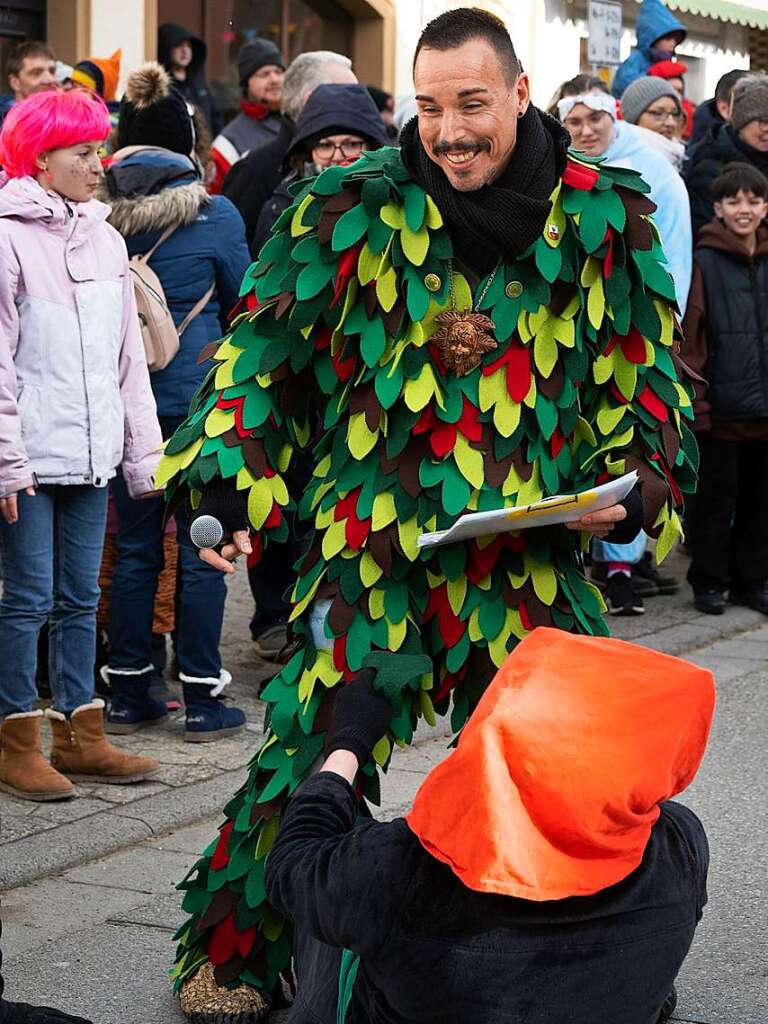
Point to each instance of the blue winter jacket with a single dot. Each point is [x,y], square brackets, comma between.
[653,22]
[148,190]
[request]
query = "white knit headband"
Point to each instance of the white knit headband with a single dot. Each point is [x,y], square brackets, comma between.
[593,100]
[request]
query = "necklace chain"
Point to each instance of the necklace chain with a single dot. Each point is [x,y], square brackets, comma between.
[485,290]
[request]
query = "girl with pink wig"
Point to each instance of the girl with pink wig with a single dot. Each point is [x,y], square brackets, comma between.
[75,405]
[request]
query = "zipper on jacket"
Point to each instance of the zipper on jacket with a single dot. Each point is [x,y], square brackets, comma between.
[760,322]
[70,211]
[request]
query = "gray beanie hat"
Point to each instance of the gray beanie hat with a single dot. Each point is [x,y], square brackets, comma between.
[750,101]
[638,96]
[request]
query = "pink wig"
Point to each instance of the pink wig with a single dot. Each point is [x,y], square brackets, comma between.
[49,120]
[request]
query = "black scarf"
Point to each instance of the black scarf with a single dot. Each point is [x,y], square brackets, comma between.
[503,218]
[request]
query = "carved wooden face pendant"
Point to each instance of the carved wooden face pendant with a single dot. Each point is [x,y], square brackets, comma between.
[463,340]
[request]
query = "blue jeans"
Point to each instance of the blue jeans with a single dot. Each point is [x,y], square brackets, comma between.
[201,591]
[51,560]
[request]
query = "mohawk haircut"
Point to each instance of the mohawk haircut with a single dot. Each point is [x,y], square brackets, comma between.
[455,28]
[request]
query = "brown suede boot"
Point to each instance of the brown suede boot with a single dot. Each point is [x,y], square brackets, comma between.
[24,772]
[82,751]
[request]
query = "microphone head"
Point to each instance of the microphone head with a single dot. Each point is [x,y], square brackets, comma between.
[206,532]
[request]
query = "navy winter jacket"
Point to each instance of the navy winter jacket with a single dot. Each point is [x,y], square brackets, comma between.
[148,191]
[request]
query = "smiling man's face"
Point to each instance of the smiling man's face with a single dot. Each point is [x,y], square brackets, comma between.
[468,111]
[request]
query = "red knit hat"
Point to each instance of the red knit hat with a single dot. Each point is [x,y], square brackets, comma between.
[668,69]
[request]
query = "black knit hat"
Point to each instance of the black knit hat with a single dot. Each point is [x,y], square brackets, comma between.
[154,113]
[255,54]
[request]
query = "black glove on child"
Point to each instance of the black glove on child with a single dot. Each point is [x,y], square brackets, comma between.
[222,500]
[361,716]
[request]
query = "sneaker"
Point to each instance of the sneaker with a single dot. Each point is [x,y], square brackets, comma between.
[711,602]
[649,581]
[270,642]
[755,598]
[622,596]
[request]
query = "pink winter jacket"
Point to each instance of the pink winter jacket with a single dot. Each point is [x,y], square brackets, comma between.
[75,397]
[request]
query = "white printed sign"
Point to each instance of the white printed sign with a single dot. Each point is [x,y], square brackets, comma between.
[604,26]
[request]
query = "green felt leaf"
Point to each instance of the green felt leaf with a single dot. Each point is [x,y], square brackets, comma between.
[373,341]
[350,228]
[395,672]
[313,278]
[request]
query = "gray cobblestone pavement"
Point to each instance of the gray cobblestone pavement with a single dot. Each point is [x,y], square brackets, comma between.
[90,906]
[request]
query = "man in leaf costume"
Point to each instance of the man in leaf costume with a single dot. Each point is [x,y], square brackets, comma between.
[470,323]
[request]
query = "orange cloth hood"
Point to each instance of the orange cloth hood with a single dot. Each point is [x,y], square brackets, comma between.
[556,781]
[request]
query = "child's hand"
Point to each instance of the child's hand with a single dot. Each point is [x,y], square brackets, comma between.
[9,506]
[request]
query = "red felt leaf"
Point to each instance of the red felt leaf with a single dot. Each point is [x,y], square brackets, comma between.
[257,550]
[356,531]
[451,627]
[557,442]
[346,506]
[245,941]
[340,653]
[274,518]
[578,176]
[252,301]
[443,439]
[608,261]
[617,394]
[437,359]
[426,422]
[525,618]
[469,424]
[611,345]
[220,857]
[323,339]
[677,495]
[653,404]
[344,367]
[223,943]
[633,347]
[480,561]
[235,405]
[503,359]
[445,687]
[518,371]
[347,268]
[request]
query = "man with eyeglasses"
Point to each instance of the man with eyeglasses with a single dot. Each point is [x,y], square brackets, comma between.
[743,140]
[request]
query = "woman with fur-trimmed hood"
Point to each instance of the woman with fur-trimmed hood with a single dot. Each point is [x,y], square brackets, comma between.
[153,183]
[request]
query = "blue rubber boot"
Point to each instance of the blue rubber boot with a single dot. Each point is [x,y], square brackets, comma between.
[131,706]
[208,716]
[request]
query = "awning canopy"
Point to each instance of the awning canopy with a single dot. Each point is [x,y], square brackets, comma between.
[740,14]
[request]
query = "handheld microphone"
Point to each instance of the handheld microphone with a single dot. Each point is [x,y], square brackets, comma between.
[206,532]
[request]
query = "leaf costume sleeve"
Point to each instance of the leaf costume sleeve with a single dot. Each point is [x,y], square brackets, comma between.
[581,383]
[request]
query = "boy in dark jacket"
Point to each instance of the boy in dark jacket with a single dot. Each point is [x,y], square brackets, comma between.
[183,57]
[726,341]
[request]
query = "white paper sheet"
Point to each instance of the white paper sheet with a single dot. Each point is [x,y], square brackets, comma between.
[563,508]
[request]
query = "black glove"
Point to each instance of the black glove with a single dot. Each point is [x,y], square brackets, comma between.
[23,1013]
[626,531]
[222,500]
[360,717]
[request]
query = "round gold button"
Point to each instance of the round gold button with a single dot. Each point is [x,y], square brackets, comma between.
[432,283]
[513,290]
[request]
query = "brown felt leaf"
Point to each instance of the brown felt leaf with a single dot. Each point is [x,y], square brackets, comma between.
[561,293]
[408,467]
[230,971]
[393,320]
[231,438]
[222,903]
[207,352]
[496,472]
[342,201]
[267,810]
[254,455]
[636,203]
[284,302]
[551,386]
[370,300]
[325,227]
[523,468]
[671,440]
[340,615]
[381,550]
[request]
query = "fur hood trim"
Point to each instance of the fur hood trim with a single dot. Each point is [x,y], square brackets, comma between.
[142,214]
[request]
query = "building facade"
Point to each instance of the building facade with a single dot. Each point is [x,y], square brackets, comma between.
[379,35]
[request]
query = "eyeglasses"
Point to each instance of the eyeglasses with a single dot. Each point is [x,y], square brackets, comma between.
[665,115]
[349,148]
